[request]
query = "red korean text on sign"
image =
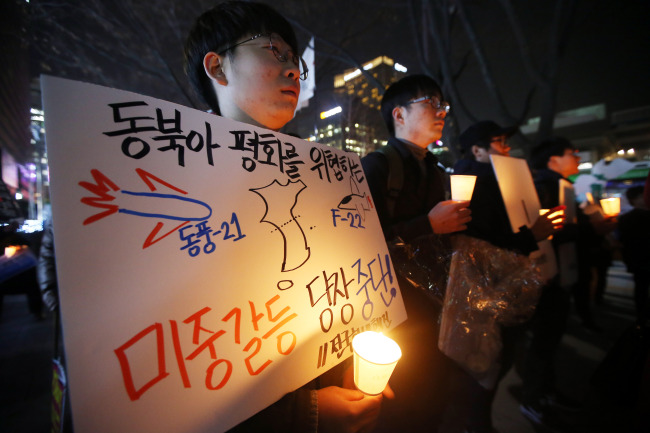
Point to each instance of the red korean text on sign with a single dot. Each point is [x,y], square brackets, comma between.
[266,324]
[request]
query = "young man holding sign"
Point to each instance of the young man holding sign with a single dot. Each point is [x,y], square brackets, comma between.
[241,58]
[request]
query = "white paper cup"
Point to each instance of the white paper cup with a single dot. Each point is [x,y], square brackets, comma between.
[375,357]
[611,206]
[462,187]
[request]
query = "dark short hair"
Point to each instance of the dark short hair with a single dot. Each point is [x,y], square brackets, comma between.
[402,91]
[633,193]
[554,146]
[224,25]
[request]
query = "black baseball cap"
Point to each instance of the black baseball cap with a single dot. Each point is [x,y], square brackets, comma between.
[482,132]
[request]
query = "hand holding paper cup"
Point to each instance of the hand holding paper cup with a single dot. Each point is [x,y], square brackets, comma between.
[547,223]
[462,187]
[375,357]
[557,216]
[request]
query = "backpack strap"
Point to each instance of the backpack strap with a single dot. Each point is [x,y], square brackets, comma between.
[395,176]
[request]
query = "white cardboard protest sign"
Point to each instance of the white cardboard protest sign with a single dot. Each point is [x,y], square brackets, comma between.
[567,253]
[206,267]
[522,205]
[567,198]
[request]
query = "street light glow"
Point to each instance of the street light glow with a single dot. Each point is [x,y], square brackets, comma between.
[351,75]
[329,113]
[400,68]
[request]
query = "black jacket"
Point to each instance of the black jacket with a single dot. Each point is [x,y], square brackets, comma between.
[420,377]
[490,220]
[418,195]
[634,234]
[547,183]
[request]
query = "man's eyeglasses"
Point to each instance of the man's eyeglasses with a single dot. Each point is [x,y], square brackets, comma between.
[439,106]
[573,153]
[278,47]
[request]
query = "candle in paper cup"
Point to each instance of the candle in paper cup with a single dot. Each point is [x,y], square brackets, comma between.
[375,357]
[11,250]
[611,206]
[462,187]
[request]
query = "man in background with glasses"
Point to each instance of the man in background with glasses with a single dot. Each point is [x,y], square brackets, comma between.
[414,209]
[241,59]
[414,113]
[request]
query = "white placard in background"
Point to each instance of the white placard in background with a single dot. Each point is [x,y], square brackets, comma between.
[567,197]
[567,253]
[522,204]
[206,267]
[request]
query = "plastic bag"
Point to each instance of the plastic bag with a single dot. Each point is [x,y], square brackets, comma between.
[488,287]
[424,263]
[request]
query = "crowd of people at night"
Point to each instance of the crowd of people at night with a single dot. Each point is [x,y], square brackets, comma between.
[241,58]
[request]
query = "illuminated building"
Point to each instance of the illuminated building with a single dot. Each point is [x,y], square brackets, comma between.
[350,119]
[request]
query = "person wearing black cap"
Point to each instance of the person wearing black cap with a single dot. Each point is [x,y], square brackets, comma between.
[489,217]
[470,403]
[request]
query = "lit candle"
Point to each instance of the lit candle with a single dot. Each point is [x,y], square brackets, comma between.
[462,187]
[375,357]
[611,206]
[11,250]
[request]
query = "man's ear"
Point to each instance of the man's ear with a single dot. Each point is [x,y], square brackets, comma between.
[476,151]
[398,118]
[213,65]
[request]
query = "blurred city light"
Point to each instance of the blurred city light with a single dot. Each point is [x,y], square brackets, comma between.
[585,166]
[329,113]
[353,74]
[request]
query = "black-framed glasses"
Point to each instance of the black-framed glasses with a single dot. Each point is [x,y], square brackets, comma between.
[439,106]
[278,47]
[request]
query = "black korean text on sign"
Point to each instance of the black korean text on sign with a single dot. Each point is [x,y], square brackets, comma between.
[172,135]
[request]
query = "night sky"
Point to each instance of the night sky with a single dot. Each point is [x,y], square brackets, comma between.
[604,59]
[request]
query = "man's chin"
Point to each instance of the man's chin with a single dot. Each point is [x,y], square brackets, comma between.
[436,137]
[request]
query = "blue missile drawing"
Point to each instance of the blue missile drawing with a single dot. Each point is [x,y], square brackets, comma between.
[146,204]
